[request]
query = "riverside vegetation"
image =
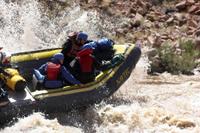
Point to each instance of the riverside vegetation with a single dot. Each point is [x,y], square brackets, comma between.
[176,59]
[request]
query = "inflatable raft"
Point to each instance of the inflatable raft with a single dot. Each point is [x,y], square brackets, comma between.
[61,99]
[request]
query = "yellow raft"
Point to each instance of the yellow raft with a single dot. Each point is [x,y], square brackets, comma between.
[67,97]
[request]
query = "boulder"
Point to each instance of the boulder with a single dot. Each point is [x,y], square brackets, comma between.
[197,33]
[148,23]
[121,32]
[155,65]
[106,2]
[163,18]
[132,10]
[193,9]
[192,23]
[137,20]
[178,16]
[191,30]
[170,21]
[140,3]
[158,41]
[152,53]
[157,25]
[156,2]
[151,40]
[181,6]
[182,123]
[197,12]
[165,36]
[190,2]
[65,1]
[197,42]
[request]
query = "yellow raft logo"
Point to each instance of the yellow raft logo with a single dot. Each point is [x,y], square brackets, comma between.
[124,76]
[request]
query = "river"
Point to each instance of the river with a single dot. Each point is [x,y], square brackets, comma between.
[144,104]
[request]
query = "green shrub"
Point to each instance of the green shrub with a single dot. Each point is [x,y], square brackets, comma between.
[178,60]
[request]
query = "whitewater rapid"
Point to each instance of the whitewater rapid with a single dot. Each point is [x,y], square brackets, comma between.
[144,104]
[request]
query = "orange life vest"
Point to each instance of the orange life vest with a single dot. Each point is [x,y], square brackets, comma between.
[53,71]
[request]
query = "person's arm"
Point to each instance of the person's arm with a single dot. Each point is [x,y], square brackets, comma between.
[42,69]
[68,76]
[67,46]
[116,60]
[97,64]
[107,65]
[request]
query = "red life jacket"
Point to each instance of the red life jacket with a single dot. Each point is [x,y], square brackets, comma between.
[53,71]
[85,60]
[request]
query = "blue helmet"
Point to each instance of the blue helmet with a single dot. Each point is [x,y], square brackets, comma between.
[82,36]
[58,56]
[89,45]
[106,42]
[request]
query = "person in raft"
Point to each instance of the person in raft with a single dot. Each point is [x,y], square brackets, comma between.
[53,74]
[102,48]
[73,44]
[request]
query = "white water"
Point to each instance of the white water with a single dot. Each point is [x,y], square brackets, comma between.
[23,26]
[164,103]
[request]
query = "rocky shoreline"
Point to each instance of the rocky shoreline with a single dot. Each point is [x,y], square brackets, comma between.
[153,22]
